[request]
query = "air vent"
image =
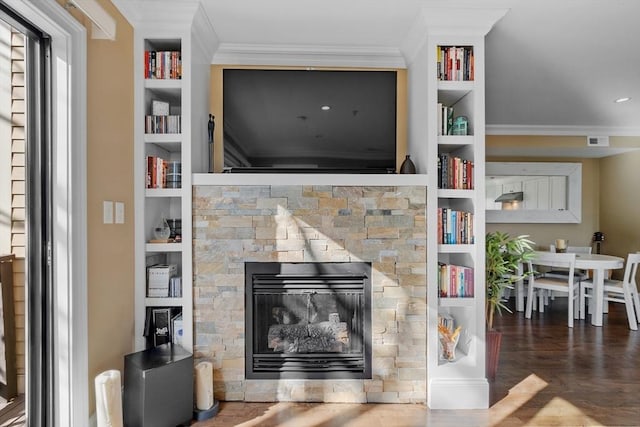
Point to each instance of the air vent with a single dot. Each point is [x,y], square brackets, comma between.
[598,141]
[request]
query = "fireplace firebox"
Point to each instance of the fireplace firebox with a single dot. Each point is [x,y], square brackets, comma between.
[308,320]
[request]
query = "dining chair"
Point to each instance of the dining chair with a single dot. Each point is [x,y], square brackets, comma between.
[567,284]
[579,274]
[623,291]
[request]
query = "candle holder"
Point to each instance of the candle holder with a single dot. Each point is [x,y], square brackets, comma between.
[561,245]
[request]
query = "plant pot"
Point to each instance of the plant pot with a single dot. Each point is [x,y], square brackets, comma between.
[494,341]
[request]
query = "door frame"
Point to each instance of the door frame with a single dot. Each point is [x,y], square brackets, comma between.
[69,210]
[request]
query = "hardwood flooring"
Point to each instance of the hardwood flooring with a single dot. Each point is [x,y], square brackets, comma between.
[549,375]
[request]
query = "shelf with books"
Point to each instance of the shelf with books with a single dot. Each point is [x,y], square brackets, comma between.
[455,281]
[455,63]
[454,172]
[455,226]
[162,59]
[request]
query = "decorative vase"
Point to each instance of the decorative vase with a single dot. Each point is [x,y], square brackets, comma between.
[162,231]
[407,166]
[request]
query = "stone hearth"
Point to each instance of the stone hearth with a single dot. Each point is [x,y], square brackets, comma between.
[296,223]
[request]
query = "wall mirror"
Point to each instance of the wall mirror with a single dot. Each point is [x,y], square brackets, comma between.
[533,192]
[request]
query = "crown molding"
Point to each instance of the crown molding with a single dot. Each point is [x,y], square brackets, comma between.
[453,18]
[307,55]
[562,130]
[204,36]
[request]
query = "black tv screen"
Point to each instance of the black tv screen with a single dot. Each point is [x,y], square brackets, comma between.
[309,120]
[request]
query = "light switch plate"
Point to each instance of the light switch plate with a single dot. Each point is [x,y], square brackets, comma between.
[119,212]
[107,212]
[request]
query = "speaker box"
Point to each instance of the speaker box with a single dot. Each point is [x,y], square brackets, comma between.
[158,387]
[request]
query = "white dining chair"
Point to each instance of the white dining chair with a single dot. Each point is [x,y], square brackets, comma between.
[623,291]
[567,285]
[578,274]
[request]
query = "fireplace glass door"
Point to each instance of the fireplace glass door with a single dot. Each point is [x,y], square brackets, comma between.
[308,320]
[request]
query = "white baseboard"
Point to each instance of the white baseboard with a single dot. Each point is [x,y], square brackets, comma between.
[464,393]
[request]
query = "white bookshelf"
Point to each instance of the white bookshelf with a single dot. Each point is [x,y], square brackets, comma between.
[460,383]
[180,27]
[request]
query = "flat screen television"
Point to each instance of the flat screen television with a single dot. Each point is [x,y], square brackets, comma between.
[300,120]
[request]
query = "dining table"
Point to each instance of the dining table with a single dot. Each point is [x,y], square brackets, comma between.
[599,264]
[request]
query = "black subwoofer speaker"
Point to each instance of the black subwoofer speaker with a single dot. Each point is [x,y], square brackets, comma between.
[158,387]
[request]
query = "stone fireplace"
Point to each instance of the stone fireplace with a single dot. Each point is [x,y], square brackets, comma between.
[383,227]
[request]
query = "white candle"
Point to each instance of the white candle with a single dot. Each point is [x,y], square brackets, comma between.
[204,385]
[108,399]
[561,244]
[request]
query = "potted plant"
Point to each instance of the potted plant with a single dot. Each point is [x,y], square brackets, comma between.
[503,256]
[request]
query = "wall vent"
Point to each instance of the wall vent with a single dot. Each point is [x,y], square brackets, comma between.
[598,141]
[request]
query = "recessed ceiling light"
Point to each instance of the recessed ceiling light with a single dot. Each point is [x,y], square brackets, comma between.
[325,108]
[625,99]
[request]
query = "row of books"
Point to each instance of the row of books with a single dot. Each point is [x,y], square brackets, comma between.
[445,119]
[156,173]
[455,63]
[162,124]
[455,173]
[173,289]
[455,281]
[162,64]
[455,227]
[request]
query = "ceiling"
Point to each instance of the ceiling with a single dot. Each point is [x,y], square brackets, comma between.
[552,67]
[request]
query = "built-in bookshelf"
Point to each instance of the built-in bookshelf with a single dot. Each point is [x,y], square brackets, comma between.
[455,295]
[161,257]
[172,56]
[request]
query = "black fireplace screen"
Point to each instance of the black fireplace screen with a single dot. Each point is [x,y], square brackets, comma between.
[308,320]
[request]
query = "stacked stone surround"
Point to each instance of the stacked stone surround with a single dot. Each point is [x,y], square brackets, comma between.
[382,225]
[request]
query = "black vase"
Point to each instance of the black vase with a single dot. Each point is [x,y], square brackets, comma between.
[407,166]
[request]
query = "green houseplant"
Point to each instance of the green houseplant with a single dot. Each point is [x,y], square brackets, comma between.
[503,256]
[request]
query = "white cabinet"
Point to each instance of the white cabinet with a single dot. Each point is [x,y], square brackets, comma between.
[558,192]
[536,193]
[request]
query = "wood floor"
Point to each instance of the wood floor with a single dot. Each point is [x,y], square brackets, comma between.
[549,375]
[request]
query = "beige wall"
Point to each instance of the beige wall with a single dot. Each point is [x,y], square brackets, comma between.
[109,177]
[544,234]
[620,203]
